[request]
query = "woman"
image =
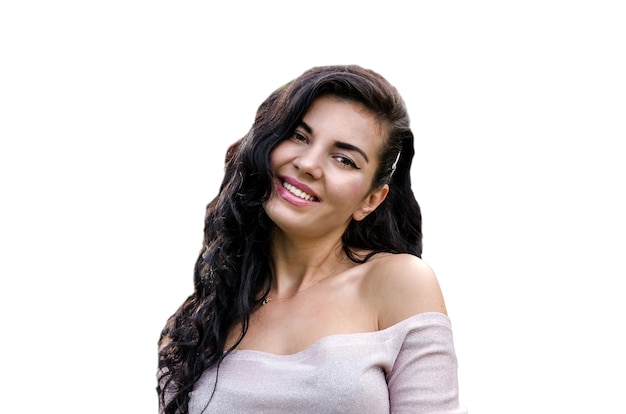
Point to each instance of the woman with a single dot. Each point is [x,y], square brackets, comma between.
[310,294]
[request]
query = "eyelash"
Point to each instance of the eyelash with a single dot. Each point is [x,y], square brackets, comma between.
[299,137]
[344,162]
[347,162]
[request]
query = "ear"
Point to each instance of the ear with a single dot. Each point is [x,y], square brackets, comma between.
[371,202]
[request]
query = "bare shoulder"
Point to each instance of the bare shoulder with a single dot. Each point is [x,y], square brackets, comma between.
[403,285]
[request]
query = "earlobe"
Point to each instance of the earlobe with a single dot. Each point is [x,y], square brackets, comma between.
[371,202]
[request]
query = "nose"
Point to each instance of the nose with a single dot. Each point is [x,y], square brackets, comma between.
[309,162]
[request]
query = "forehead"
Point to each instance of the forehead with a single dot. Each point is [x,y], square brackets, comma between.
[347,117]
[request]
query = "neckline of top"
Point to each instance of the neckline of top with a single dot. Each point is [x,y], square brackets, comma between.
[440,318]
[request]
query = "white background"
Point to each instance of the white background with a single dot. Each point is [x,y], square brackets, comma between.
[114,120]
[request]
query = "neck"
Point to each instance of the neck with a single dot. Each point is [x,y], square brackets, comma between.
[297,267]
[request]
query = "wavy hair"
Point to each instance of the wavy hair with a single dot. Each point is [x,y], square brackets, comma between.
[233,268]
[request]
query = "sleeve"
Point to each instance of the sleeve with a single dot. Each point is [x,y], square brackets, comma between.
[423,379]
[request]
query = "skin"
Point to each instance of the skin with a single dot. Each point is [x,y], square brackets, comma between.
[316,290]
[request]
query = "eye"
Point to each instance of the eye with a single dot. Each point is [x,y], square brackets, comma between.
[297,136]
[345,161]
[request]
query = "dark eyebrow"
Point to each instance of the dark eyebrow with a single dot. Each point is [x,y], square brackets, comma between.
[338,144]
[350,147]
[306,127]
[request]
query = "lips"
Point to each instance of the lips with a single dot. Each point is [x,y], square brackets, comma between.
[298,189]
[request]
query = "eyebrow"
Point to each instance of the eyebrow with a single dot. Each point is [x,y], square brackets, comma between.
[339,144]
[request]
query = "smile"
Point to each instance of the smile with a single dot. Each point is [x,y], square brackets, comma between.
[297,192]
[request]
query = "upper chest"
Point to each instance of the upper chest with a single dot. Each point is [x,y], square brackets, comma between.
[289,325]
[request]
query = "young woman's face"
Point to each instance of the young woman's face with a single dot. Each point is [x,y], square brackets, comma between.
[324,171]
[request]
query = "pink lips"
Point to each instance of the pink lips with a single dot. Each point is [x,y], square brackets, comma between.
[292,198]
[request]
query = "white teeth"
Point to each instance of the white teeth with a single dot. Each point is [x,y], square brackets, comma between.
[297,192]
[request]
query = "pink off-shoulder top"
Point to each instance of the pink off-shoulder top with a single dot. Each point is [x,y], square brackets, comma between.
[410,367]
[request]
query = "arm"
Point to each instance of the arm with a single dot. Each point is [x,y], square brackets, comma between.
[424,375]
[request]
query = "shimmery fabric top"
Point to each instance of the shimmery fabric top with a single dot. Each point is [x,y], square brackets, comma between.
[410,367]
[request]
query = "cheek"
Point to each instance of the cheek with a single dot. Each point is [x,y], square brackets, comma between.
[277,155]
[351,193]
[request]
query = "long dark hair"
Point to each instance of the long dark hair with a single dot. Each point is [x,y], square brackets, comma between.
[233,268]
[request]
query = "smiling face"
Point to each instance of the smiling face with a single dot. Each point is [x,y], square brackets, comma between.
[324,171]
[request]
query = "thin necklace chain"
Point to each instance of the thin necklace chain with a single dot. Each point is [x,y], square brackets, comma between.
[267,299]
